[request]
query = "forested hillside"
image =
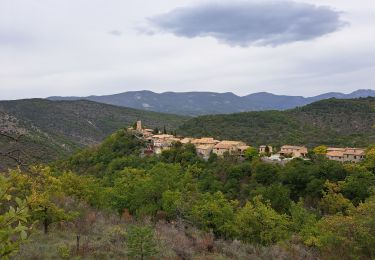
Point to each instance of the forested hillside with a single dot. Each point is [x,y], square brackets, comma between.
[51,129]
[107,202]
[331,122]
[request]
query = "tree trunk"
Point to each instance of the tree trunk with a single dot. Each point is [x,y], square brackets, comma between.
[77,243]
[45,221]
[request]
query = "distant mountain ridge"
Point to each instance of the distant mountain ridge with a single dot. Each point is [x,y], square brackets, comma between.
[205,103]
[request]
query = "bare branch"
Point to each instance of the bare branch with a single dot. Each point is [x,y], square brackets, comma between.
[7,135]
[13,153]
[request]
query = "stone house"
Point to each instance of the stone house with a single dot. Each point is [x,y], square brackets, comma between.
[185,140]
[294,151]
[354,155]
[204,150]
[229,146]
[241,150]
[263,149]
[163,142]
[204,140]
[345,154]
[335,154]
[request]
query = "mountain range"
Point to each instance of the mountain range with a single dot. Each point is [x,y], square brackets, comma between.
[205,103]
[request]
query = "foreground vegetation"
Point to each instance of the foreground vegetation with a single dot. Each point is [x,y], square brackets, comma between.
[107,202]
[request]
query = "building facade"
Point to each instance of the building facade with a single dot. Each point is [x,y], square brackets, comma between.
[294,151]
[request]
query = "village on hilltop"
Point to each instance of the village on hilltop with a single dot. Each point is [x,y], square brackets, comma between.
[159,142]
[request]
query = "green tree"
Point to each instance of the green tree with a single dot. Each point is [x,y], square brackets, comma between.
[172,203]
[358,184]
[333,201]
[251,153]
[141,242]
[15,224]
[265,173]
[258,223]
[214,212]
[277,194]
[44,196]
[348,237]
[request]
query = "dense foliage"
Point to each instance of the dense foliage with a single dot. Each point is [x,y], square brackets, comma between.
[330,122]
[322,205]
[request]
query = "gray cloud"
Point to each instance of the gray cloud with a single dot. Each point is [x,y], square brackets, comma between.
[115,33]
[255,23]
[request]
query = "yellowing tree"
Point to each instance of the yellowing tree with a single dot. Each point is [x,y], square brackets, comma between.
[322,149]
[258,223]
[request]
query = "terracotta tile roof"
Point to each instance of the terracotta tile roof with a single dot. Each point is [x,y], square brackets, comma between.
[205,146]
[335,154]
[354,151]
[243,147]
[206,140]
[228,144]
[340,152]
[163,136]
[331,149]
[185,140]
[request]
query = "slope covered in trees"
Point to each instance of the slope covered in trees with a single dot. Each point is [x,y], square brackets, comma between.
[330,122]
[107,201]
[50,129]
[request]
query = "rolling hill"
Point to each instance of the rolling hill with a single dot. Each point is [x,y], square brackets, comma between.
[205,103]
[52,129]
[331,122]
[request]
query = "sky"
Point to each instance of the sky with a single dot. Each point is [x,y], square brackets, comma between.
[96,47]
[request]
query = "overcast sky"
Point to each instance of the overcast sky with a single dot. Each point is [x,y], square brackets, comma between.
[85,47]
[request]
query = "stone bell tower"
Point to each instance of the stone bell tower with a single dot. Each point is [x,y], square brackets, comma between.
[139,126]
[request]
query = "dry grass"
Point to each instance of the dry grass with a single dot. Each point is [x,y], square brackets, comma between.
[104,237]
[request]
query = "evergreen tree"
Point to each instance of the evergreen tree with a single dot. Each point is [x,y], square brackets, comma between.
[141,242]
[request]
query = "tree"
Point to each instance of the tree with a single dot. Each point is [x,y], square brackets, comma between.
[358,184]
[369,162]
[214,212]
[277,195]
[44,198]
[171,203]
[322,150]
[333,201]
[348,237]
[141,242]
[251,153]
[265,173]
[15,223]
[267,150]
[258,223]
